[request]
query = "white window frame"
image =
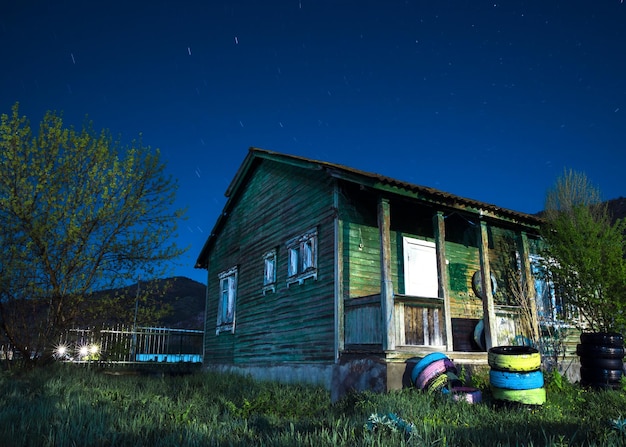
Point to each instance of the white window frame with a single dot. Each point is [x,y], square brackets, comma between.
[227,301]
[302,259]
[269,271]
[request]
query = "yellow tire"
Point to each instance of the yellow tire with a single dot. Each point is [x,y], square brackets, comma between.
[534,396]
[438,383]
[514,358]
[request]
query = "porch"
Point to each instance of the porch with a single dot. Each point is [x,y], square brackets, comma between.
[419,326]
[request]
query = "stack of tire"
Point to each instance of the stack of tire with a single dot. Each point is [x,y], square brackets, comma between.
[601,359]
[437,373]
[515,375]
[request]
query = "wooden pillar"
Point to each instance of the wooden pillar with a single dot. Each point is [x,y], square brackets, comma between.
[528,284]
[339,309]
[489,312]
[386,285]
[442,269]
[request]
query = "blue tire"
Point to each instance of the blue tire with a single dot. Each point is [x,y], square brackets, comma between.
[516,380]
[424,362]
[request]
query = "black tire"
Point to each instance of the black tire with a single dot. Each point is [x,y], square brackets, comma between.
[612,339]
[601,363]
[513,350]
[597,375]
[477,285]
[606,352]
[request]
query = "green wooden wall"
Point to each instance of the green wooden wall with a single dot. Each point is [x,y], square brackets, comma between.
[294,323]
[361,240]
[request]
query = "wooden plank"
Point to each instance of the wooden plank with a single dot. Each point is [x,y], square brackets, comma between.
[489,313]
[362,301]
[422,326]
[442,268]
[338,277]
[414,325]
[363,325]
[386,292]
[361,268]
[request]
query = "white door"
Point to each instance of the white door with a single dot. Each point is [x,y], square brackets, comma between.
[420,268]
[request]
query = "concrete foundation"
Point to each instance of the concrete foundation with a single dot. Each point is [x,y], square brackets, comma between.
[354,373]
[305,373]
[350,374]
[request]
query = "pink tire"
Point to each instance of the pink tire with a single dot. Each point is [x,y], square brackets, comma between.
[466,394]
[432,371]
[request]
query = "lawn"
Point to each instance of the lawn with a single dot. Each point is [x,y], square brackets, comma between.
[68,406]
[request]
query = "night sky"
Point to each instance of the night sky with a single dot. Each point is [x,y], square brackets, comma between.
[486,100]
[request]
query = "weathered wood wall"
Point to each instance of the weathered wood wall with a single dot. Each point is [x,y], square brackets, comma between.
[294,323]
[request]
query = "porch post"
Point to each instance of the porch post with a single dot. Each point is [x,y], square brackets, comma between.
[489,312]
[442,268]
[386,285]
[528,284]
[338,270]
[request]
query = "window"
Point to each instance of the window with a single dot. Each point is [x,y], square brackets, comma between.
[269,275]
[302,257]
[551,305]
[226,303]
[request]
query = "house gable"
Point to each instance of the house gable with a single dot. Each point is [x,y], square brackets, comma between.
[292,321]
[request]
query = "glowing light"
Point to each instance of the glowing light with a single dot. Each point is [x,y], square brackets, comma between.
[83,351]
[61,350]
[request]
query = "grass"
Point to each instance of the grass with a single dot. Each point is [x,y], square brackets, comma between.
[67,406]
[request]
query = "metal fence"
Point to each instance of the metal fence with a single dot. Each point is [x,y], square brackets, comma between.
[122,344]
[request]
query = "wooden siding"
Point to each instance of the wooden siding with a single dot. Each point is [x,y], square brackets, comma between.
[294,323]
[361,265]
[463,261]
[363,321]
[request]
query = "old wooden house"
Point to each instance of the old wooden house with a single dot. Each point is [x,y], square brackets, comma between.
[321,273]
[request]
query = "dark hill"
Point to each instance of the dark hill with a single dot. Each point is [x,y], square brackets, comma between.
[185,296]
[617,208]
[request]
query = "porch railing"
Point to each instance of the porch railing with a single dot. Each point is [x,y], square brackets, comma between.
[418,321]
